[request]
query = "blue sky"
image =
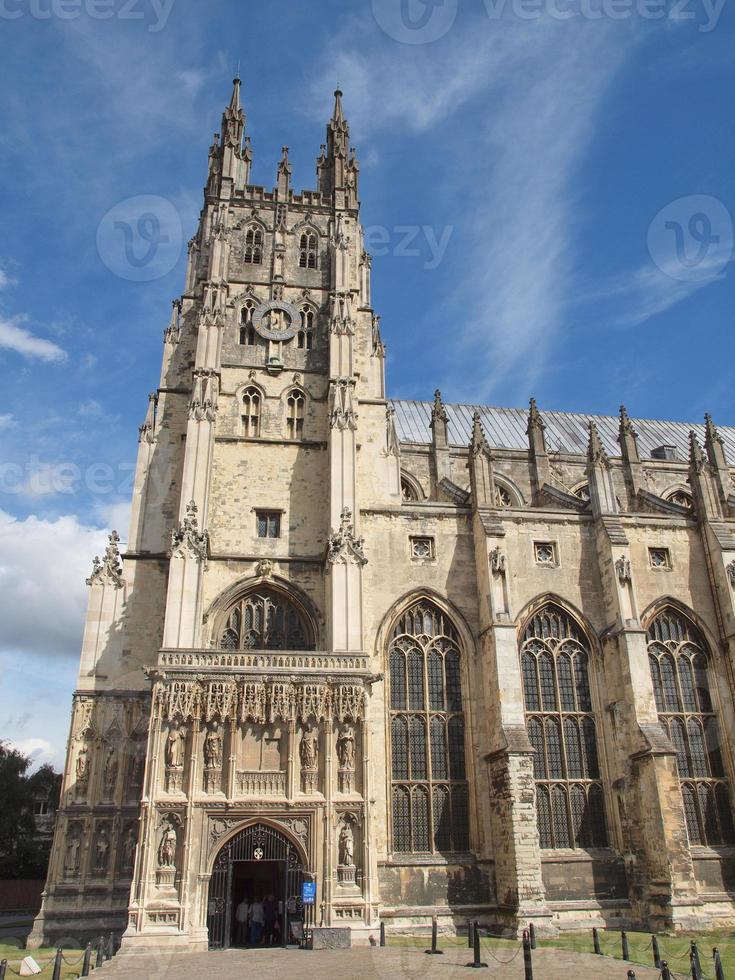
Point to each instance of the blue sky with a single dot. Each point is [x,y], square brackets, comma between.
[549,186]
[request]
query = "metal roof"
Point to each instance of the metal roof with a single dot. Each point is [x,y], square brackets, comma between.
[566,432]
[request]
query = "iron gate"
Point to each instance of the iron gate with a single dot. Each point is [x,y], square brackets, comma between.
[258,842]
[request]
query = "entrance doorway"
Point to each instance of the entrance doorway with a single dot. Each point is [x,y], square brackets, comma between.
[256,862]
[260,881]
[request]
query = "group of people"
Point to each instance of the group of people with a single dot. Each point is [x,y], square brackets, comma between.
[258,923]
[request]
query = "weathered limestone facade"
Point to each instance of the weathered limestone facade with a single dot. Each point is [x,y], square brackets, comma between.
[449,659]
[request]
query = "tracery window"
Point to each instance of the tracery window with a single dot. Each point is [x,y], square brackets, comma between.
[295,404]
[308,250]
[253,254]
[408,490]
[682,498]
[678,658]
[305,334]
[247,330]
[266,620]
[429,779]
[582,491]
[561,728]
[251,412]
[502,496]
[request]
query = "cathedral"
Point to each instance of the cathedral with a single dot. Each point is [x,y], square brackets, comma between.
[412,659]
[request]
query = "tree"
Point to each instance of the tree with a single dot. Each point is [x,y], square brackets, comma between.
[23,852]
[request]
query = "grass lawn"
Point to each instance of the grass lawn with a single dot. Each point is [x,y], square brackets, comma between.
[13,954]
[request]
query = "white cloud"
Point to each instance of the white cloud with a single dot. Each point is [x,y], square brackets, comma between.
[6,421]
[39,749]
[43,565]
[115,515]
[531,94]
[16,338]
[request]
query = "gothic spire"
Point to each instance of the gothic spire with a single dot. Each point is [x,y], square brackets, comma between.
[338,115]
[697,459]
[534,418]
[479,442]
[284,174]
[233,119]
[595,450]
[626,426]
[628,439]
[715,446]
[338,169]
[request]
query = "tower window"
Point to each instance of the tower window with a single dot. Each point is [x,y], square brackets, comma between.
[679,659]
[561,729]
[247,330]
[308,250]
[268,523]
[253,254]
[305,335]
[295,414]
[251,412]
[429,779]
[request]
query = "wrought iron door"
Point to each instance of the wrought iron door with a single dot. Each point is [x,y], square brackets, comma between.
[256,843]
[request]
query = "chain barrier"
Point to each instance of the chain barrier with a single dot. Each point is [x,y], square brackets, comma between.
[505,962]
[72,962]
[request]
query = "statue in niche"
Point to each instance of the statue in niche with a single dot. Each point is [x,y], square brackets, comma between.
[346,845]
[82,766]
[73,852]
[101,849]
[175,747]
[346,749]
[110,774]
[213,748]
[137,765]
[309,748]
[128,849]
[167,848]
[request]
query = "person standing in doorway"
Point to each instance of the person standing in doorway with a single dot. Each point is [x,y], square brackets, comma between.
[257,918]
[241,919]
[270,915]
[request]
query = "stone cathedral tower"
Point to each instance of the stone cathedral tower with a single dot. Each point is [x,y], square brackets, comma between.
[434,659]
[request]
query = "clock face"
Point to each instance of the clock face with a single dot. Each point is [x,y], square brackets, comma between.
[276,320]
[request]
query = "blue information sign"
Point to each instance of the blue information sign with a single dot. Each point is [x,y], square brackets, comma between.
[308,892]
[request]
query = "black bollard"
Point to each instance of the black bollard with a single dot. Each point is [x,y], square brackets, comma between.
[624,943]
[382,933]
[719,972]
[631,975]
[694,961]
[56,975]
[532,935]
[470,940]
[3,968]
[476,964]
[656,953]
[110,946]
[665,971]
[596,942]
[433,951]
[100,953]
[527,957]
[87,964]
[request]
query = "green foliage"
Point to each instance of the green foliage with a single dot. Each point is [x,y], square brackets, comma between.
[23,854]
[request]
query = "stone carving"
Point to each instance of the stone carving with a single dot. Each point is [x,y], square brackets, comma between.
[205,395]
[187,540]
[81,772]
[167,847]
[252,703]
[342,545]
[108,569]
[175,753]
[137,771]
[341,316]
[127,851]
[264,568]
[101,850]
[731,573]
[309,753]
[347,845]
[110,773]
[72,857]
[623,569]
[346,758]
[313,700]
[342,414]
[212,758]
[497,561]
[219,700]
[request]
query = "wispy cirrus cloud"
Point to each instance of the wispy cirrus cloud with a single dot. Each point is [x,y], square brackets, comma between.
[530,97]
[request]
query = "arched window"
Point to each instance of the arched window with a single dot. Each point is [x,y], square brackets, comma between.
[678,658]
[429,778]
[561,728]
[251,412]
[247,330]
[253,254]
[582,491]
[681,497]
[305,334]
[308,250]
[266,620]
[503,497]
[408,490]
[295,404]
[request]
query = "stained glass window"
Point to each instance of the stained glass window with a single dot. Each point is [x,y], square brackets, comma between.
[430,792]
[678,657]
[561,728]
